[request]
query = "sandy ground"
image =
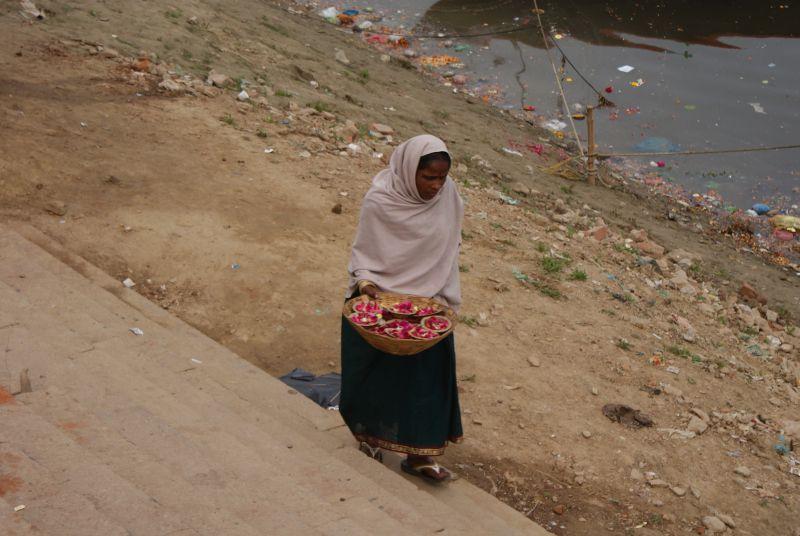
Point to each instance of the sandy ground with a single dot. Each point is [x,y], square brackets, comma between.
[172,188]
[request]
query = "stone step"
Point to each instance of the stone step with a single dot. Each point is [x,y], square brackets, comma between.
[191,442]
[243,389]
[66,491]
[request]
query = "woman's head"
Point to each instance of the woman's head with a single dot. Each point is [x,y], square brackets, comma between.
[432,174]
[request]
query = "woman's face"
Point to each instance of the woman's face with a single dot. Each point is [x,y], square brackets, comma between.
[430,179]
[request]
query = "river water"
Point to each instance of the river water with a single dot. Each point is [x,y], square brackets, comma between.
[715,75]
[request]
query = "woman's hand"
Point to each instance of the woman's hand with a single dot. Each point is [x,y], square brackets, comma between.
[370,290]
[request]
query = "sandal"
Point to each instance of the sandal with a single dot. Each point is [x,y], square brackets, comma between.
[417,470]
[373,452]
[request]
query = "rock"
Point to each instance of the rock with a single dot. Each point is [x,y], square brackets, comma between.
[636,475]
[743,471]
[728,520]
[142,65]
[773,341]
[676,255]
[218,79]
[697,425]
[559,509]
[459,79]
[243,96]
[595,391]
[786,347]
[304,154]
[650,247]
[520,189]
[658,483]
[689,290]
[662,265]
[749,294]
[771,315]
[639,235]
[700,413]
[109,53]
[386,58]
[714,524]
[408,53]
[382,129]
[566,218]
[599,233]
[680,279]
[586,433]
[170,85]
[657,503]
[534,361]
[56,207]
[677,490]
[341,57]
[337,208]
[671,390]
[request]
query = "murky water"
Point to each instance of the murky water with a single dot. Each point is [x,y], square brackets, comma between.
[715,75]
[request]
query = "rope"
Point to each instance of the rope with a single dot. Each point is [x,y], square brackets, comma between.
[558,80]
[705,151]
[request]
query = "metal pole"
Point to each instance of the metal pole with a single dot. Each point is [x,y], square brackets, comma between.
[591,169]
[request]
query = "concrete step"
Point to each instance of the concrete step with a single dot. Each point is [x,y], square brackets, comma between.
[57,481]
[239,386]
[191,443]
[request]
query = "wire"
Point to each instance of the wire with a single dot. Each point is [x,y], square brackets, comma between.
[603,100]
[473,10]
[705,151]
[558,80]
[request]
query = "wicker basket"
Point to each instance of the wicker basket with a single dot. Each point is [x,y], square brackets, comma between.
[393,346]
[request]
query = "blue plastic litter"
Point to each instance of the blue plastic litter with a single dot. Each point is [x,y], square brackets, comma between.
[760,208]
[350,12]
[656,145]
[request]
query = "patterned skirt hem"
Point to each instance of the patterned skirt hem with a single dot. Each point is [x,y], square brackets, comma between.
[407,449]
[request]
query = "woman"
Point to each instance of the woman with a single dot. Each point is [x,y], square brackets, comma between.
[407,242]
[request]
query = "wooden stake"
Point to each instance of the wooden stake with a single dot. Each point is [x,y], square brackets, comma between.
[591,169]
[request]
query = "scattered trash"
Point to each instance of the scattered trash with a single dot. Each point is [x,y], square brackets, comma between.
[783,221]
[235,266]
[637,83]
[680,434]
[555,125]
[609,89]
[328,13]
[243,95]
[760,208]
[341,57]
[626,415]
[673,369]
[558,36]
[625,68]
[529,108]
[439,61]
[782,447]
[511,151]
[689,107]
[19,507]
[462,48]
[324,390]
[757,107]
[195,360]
[362,25]
[755,350]
[269,150]
[30,11]
[137,331]
[128,282]
[350,12]
[509,200]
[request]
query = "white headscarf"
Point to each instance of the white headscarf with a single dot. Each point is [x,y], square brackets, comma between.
[404,243]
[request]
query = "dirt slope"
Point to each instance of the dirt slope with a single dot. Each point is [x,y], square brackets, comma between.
[171,187]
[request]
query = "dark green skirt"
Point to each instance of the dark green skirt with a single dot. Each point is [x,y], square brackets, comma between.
[406,404]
